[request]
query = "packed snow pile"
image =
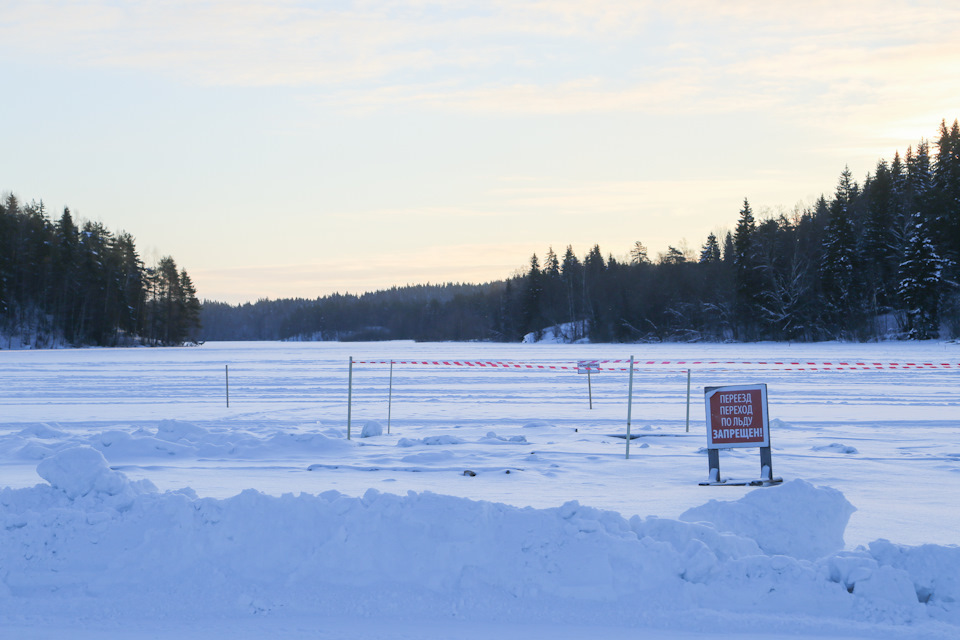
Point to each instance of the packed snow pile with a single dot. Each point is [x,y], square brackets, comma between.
[176,439]
[83,471]
[91,541]
[836,447]
[371,428]
[818,517]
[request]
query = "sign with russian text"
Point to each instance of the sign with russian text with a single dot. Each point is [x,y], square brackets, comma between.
[586,366]
[737,416]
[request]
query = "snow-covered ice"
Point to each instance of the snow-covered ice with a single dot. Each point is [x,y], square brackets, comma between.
[491,502]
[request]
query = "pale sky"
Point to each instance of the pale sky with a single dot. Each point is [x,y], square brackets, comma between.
[297,148]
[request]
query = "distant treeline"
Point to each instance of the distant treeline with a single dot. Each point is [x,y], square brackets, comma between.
[64,284]
[873,261]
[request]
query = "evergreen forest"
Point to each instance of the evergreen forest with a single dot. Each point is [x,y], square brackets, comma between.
[877,259]
[873,260]
[67,282]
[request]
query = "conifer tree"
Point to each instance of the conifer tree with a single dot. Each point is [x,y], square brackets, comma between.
[881,248]
[190,304]
[673,256]
[746,277]
[132,286]
[594,271]
[553,304]
[918,181]
[710,252]
[533,294]
[729,249]
[551,265]
[743,238]
[946,181]
[66,272]
[840,264]
[921,282]
[571,277]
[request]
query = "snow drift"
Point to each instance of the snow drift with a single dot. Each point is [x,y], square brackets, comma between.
[91,541]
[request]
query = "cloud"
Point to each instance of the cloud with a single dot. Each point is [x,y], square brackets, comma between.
[845,69]
[542,57]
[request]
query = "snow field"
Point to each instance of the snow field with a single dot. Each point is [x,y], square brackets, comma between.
[91,541]
[266,512]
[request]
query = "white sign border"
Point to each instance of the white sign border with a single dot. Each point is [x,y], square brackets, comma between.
[709,392]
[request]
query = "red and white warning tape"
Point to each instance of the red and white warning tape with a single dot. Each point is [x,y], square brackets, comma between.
[784,365]
[756,365]
[479,364]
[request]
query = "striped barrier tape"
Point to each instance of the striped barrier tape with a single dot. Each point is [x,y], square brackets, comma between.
[479,364]
[784,365]
[714,365]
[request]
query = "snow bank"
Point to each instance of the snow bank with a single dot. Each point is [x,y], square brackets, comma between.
[83,471]
[176,439]
[430,441]
[794,518]
[93,543]
[493,438]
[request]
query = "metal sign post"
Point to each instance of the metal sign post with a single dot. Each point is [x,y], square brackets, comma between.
[629,405]
[588,366]
[349,394]
[390,398]
[737,417]
[590,388]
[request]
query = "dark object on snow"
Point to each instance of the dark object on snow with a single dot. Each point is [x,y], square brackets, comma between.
[467,472]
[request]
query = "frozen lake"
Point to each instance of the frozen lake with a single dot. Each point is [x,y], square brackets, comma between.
[884,435]
[903,425]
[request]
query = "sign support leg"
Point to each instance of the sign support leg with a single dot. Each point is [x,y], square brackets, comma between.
[226,372]
[589,387]
[766,464]
[713,459]
[688,400]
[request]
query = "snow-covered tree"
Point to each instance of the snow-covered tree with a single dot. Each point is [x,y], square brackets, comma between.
[921,282]
[840,266]
[710,252]
[638,254]
[946,181]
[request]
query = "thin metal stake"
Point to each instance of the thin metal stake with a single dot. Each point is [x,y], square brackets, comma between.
[688,400]
[590,385]
[226,371]
[629,405]
[349,395]
[390,398]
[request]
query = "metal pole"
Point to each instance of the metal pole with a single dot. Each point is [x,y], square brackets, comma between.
[226,371]
[349,394]
[629,405]
[589,386]
[390,398]
[688,400]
